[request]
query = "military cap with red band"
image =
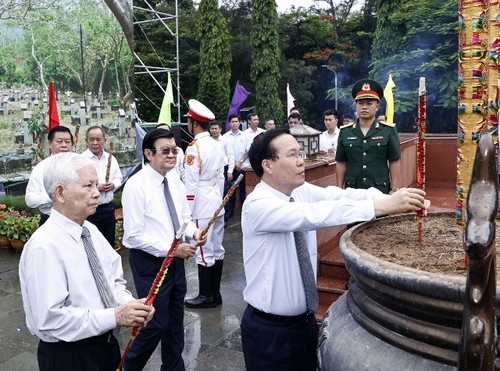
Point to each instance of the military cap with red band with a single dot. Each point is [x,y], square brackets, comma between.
[367,89]
[199,112]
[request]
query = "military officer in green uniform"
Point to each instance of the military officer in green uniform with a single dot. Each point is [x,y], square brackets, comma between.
[368,153]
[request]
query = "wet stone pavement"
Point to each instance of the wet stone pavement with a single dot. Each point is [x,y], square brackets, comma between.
[212,335]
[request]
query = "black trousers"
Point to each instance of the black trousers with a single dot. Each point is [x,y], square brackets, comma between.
[167,324]
[104,219]
[286,343]
[231,203]
[99,353]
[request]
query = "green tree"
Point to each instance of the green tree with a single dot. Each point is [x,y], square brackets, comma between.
[427,48]
[266,57]
[215,58]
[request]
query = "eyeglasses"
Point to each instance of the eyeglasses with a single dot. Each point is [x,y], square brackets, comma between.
[301,155]
[165,151]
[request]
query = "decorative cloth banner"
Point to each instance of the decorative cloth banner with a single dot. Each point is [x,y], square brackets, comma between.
[53,114]
[239,96]
[289,100]
[165,116]
[479,32]
[389,100]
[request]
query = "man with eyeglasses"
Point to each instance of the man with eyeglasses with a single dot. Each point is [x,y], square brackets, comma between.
[149,232]
[204,167]
[104,217]
[279,221]
[60,140]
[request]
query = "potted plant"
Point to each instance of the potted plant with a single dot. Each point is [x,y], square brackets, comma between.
[20,226]
[4,241]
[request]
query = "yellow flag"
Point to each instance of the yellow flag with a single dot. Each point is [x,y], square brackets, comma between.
[389,99]
[165,114]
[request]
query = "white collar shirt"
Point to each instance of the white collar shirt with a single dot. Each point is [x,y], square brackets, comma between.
[36,195]
[147,223]
[250,134]
[327,141]
[101,166]
[238,142]
[273,281]
[228,153]
[60,296]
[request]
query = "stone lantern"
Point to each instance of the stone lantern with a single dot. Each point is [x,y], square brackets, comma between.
[308,139]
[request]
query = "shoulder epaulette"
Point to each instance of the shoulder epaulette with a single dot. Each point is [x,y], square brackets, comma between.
[347,125]
[388,124]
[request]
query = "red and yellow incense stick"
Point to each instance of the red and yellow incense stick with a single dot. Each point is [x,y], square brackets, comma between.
[110,156]
[422,130]
[226,198]
[77,133]
[155,287]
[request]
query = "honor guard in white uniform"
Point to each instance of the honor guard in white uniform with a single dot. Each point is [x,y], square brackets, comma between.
[204,165]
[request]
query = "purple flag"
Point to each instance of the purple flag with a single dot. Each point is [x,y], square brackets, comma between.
[239,96]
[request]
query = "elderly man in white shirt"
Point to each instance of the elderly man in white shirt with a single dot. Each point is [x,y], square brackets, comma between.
[278,328]
[110,179]
[60,286]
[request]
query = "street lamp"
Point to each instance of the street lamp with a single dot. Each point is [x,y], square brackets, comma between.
[335,82]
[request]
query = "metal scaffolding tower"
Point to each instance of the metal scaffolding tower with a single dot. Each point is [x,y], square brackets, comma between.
[171,23]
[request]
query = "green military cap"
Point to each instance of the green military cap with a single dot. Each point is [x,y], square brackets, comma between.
[367,89]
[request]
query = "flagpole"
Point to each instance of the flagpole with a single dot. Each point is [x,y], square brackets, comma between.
[83,69]
[335,82]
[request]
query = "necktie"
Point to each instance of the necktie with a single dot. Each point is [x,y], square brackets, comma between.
[306,269]
[95,266]
[171,206]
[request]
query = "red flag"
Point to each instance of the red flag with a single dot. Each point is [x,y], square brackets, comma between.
[53,115]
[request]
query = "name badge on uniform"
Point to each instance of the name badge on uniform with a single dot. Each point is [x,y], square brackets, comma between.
[352,138]
[377,138]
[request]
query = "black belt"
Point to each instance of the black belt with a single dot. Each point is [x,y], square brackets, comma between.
[103,339]
[304,317]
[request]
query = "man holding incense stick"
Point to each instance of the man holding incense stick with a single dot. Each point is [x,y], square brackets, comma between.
[279,221]
[154,206]
[110,178]
[71,280]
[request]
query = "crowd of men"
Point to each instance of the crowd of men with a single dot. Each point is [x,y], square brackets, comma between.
[73,306]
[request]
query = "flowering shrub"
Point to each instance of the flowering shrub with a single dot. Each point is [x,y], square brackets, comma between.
[3,225]
[20,225]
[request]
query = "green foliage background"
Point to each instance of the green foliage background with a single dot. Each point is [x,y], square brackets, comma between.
[262,49]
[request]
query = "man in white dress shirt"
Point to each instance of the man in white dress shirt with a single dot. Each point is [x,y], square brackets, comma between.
[60,140]
[277,329]
[216,134]
[238,142]
[104,217]
[61,299]
[149,233]
[204,167]
[328,138]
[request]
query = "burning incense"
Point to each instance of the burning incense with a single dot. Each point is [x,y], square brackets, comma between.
[422,130]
